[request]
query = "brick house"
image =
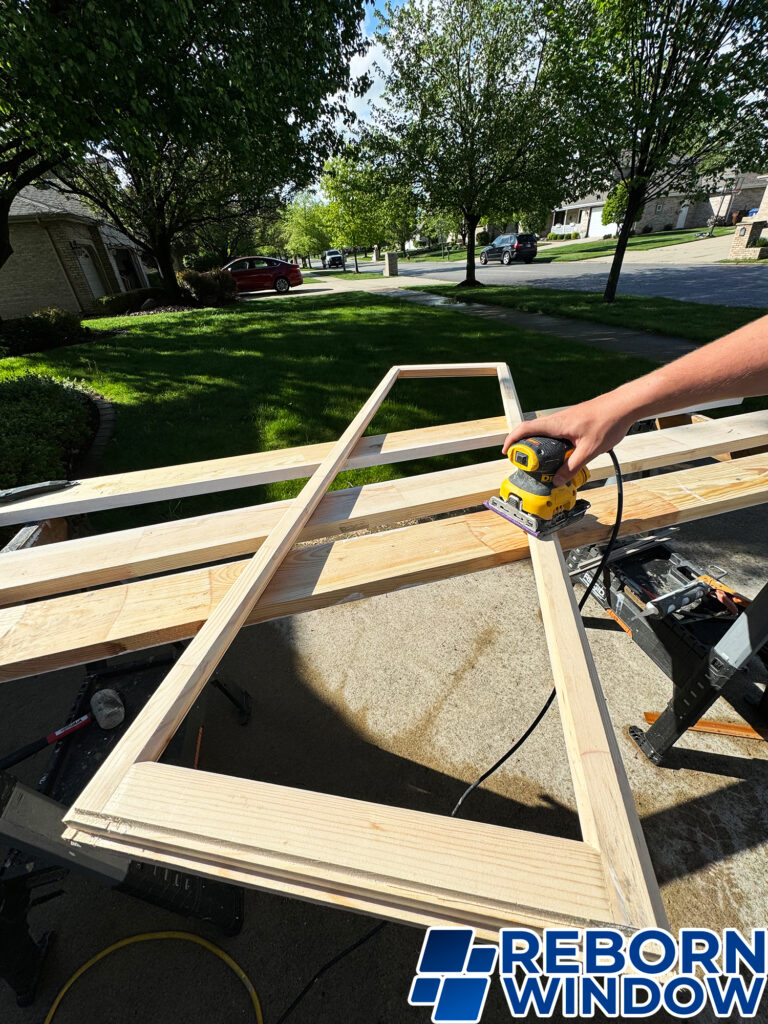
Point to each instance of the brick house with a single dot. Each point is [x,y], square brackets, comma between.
[63,255]
[670,211]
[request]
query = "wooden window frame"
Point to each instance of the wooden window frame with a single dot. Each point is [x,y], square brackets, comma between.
[421,868]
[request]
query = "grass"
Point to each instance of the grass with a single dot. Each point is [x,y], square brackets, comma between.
[213,383]
[344,275]
[606,246]
[436,257]
[693,320]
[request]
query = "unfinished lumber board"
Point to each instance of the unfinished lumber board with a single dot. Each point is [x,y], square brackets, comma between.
[607,813]
[78,628]
[737,730]
[446,869]
[96,494]
[130,554]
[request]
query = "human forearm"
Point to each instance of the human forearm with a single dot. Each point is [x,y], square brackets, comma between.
[734,366]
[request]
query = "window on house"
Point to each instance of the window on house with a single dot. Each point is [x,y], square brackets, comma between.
[659,207]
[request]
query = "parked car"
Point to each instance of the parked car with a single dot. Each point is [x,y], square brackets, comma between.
[510,248]
[333,258]
[254,273]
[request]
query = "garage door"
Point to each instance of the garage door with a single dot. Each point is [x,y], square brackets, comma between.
[596,227]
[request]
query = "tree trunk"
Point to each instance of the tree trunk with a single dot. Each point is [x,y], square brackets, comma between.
[634,202]
[6,249]
[354,250]
[164,256]
[470,281]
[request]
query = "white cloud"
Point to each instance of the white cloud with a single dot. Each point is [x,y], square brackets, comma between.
[365,64]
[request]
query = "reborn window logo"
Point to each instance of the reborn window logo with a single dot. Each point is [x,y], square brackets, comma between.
[452,975]
[591,969]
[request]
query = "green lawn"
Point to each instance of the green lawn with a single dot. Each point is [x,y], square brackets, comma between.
[692,320]
[606,246]
[207,384]
[437,257]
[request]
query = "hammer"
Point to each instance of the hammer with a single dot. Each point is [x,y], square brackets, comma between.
[106,710]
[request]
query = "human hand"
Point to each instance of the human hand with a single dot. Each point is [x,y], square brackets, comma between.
[592,428]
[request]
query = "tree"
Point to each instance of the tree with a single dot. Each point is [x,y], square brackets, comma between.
[126,76]
[306,226]
[354,212]
[615,208]
[159,198]
[216,243]
[468,115]
[657,88]
[398,210]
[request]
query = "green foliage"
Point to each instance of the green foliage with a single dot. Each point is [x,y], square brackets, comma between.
[211,288]
[130,301]
[182,107]
[552,236]
[758,243]
[42,330]
[354,213]
[615,208]
[483,238]
[45,422]
[306,226]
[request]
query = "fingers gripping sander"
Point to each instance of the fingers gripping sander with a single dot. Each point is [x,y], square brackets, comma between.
[529,498]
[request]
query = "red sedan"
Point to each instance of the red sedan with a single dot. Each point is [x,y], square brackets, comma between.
[254,273]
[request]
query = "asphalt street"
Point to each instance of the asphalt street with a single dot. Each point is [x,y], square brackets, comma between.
[729,284]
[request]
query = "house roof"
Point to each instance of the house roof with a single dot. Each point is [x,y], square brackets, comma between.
[47,202]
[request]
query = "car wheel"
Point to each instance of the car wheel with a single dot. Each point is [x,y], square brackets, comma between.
[506,259]
[483,258]
[282,285]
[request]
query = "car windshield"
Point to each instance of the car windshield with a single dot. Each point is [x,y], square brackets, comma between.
[500,240]
[333,252]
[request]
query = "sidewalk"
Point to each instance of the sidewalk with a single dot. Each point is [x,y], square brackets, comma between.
[657,347]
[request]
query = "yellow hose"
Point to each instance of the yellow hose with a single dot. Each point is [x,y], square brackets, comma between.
[146,937]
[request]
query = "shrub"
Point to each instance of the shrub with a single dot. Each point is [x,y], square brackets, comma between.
[130,301]
[483,238]
[209,288]
[646,230]
[668,227]
[758,243]
[575,234]
[552,235]
[45,423]
[42,330]
[201,261]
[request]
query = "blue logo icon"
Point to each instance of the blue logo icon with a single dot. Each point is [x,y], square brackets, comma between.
[453,976]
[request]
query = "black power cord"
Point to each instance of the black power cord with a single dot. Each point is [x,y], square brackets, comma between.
[494,767]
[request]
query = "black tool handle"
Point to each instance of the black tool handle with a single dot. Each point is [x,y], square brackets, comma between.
[22,753]
[32,748]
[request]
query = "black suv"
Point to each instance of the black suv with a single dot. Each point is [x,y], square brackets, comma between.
[509,248]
